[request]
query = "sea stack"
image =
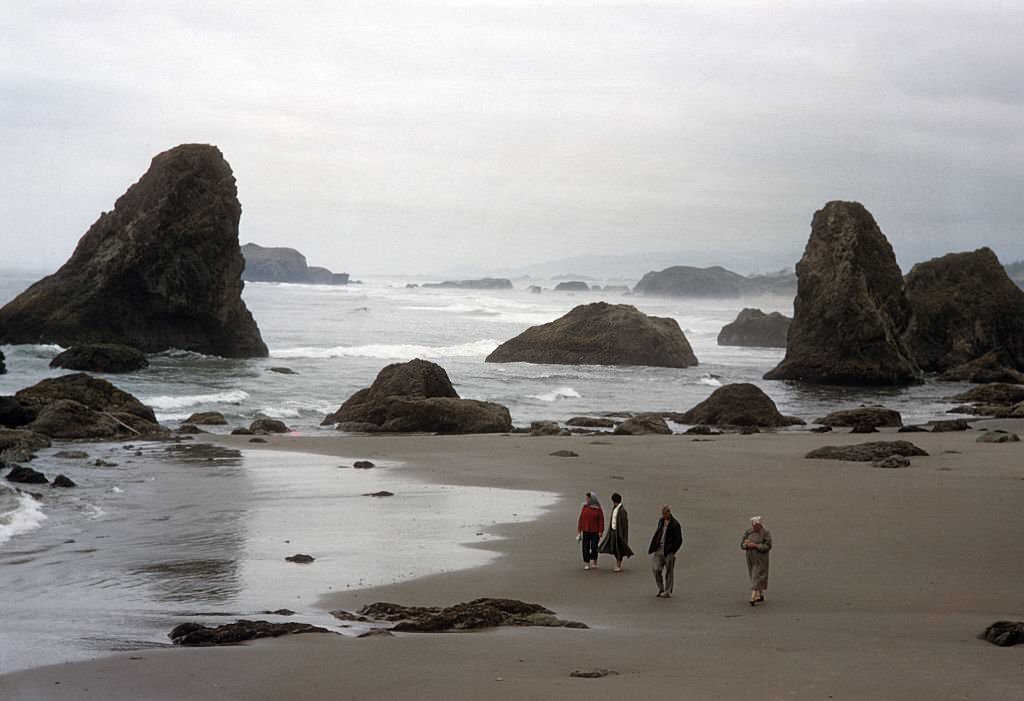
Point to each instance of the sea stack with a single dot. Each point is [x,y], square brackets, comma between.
[964,308]
[851,310]
[162,270]
[754,328]
[601,334]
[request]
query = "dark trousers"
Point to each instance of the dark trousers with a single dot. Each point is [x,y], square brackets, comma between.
[664,563]
[589,541]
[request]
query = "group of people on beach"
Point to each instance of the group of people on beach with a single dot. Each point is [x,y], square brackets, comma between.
[665,543]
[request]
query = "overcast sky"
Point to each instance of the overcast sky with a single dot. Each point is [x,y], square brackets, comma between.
[406,137]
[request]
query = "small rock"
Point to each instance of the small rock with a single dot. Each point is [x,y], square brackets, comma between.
[382,493]
[100,462]
[913,429]
[545,428]
[189,429]
[702,430]
[564,454]
[363,465]
[866,452]
[950,425]
[257,439]
[821,429]
[643,424]
[26,475]
[241,431]
[268,426]
[998,436]
[892,461]
[590,422]
[300,558]
[592,673]
[62,481]
[1004,633]
[207,418]
[864,428]
[281,612]
[376,633]
[71,455]
[283,371]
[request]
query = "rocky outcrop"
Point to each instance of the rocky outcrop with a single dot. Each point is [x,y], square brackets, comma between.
[572,286]
[866,452]
[265,426]
[995,366]
[82,406]
[162,270]
[471,615]
[417,396]
[863,416]
[279,264]
[1004,633]
[995,393]
[740,404]
[850,310]
[964,307]
[642,425]
[196,635]
[601,334]
[754,328]
[101,357]
[487,283]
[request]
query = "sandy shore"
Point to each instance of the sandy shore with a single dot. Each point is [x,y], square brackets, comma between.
[880,581]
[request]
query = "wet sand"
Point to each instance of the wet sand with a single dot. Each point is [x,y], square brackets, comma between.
[881,579]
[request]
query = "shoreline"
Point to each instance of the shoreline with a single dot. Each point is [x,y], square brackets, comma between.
[856,606]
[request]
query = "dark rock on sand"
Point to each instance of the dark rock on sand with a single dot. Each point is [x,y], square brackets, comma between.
[14,414]
[564,454]
[280,264]
[194,634]
[300,558]
[601,334]
[101,357]
[62,481]
[821,429]
[241,431]
[417,396]
[487,283]
[913,429]
[82,406]
[189,430]
[1004,633]
[207,418]
[162,270]
[546,428]
[865,415]
[850,310]
[264,426]
[754,328]
[866,452]
[996,393]
[964,306]
[572,286]
[864,428]
[643,424]
[590,422]
[381,493]
[994,366]
[597,673]
[740,404]
[702,430]
[893,461]
[363,464]
[998,436]
[947,425]
[472,615]
[26,475]
[257,439]
[376,633]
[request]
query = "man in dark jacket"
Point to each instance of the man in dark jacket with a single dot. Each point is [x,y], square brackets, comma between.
[667,540]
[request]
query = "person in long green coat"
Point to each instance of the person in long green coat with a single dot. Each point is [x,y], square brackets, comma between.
[616,540]
[757,542]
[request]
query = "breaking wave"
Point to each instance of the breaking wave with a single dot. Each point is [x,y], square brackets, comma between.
[26,514]
[556,394]
[396,351]
[168,402]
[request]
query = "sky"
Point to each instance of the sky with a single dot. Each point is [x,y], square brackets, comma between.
[441,137]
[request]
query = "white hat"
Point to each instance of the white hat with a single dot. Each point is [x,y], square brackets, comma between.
[755,519]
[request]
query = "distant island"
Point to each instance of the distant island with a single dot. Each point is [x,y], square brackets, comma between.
[716,281]
[279,264]
[487,283]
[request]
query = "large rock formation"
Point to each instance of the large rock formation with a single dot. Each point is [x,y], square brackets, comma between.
[741,404]
[756,329]
[162,270]
[964,307]
[417,396]
[486,283]
[601,334]
[81,406]
[101,357]
[687,281]
[279,264]
[850,309]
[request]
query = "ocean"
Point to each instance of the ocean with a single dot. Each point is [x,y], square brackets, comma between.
[165,533]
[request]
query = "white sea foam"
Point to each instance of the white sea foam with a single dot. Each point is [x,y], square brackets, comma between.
[168,402]
[396,351]
[555,395]
[26,516]
[709,381]
[276,412]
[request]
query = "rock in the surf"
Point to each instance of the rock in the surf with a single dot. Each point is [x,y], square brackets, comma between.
[206,418]
[26,475]
[196,635]
[162,270]
[63,481]
[754,328]
[264,426]
[470,615]
[601,334]
[642,425]
[101,357]
[738,404]
[851,310]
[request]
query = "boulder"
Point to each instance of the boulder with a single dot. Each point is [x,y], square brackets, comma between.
[601,334]
[947,425]
[82,406]
[994,366]
[861,416]
[26,475]
[381,493]
[196,635]
[14,414]
[279,264]
[740,404]
[206,418]
[995,393]
[866,452]
[564,454]
[162,270]
[71,455]
[757,329]
[572,286]
[913,429]
[643,424]
[101,357]
[300,558]
[963,307]
[282,370]
[63,481]
[702,430]
[487,283]
[590,422]
[417,396]
[264,426]
[363,465]
[471,615]
[545,428]
[850,311]
[1004,633]
[998,436]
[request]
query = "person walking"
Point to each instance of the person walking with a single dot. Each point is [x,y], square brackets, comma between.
[616,540]
[589,528]
[757,542]
[666,542]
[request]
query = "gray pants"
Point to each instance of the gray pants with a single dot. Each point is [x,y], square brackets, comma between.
[664,563]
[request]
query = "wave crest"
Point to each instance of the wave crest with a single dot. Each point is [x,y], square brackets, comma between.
[169,402]
[392,351]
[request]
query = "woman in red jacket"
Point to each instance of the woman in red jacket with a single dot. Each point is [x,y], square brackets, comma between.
[589,529]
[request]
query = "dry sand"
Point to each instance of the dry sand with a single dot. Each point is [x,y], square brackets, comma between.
[880,581]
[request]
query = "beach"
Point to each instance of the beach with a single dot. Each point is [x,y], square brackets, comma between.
[880,581]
